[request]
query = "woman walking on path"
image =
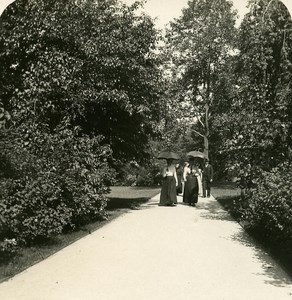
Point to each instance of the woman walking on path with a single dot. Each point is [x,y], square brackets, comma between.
[179,174]
[191,189]
[183,180]
[200,180]
[169,184]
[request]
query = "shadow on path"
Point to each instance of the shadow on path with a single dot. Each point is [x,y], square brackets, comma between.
[212,210]
[270,268]
[119,203]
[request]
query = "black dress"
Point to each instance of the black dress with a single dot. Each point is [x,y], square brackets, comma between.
[191,189]
[179,179]
[168,191]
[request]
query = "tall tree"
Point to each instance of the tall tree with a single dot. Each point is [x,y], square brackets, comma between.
[257,125]
[199,44]
[89,62]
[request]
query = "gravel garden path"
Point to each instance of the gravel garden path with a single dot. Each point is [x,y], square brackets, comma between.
[158,253]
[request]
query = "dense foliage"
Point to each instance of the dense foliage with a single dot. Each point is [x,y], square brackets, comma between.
[256,127]
[132,174]
[90,61]
[81,83]
[58,182]
[267,206]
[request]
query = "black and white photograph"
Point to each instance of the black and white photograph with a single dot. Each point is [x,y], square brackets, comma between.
[146,149]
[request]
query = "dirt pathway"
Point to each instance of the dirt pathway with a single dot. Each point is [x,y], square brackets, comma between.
[157,253]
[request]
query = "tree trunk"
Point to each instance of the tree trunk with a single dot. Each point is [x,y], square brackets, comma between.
[206,135]
[206,146]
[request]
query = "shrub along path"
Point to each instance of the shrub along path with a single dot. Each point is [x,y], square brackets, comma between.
[158,253]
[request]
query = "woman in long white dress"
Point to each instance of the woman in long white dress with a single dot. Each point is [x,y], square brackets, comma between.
[183,178]
[200,183]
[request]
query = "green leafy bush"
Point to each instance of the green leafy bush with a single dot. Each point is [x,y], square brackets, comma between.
[133,174]
[4,116]
[59,181]
[267,206]
[8,248]
[127,172]
[149,175]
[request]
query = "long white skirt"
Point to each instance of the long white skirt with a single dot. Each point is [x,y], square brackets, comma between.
[200,185]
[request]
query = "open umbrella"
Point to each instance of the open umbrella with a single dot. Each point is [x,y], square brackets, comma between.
[196,154]
[167,155]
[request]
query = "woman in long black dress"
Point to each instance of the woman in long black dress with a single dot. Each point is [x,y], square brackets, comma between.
[169,183]
[191,189]
[179,174]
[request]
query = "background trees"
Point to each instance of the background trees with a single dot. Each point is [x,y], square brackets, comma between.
[199,44]
[258,121]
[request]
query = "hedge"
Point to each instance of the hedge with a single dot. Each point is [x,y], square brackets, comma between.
[55,182]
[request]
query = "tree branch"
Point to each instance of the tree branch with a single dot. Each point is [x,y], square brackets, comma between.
[198,133]
[283,45]
[201,122]
[266,10]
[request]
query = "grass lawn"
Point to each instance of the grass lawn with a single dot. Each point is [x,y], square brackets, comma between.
[225,193]
[121,200]
[225,190]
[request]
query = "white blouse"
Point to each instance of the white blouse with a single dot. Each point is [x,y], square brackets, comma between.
[170,171]
[187,171]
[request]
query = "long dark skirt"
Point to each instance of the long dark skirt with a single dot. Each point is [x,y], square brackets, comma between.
[168,191]
[191,190]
